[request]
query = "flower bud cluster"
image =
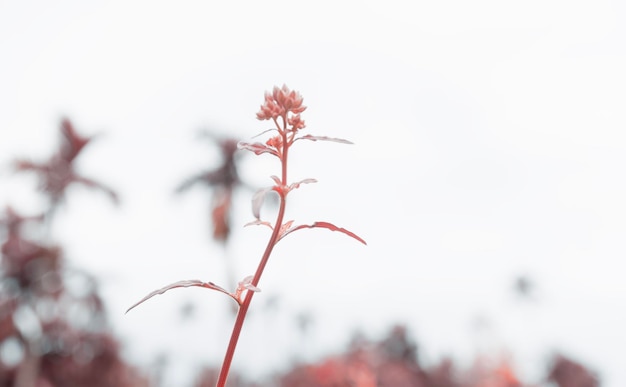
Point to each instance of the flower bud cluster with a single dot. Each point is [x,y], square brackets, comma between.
[281,102]
[275,142]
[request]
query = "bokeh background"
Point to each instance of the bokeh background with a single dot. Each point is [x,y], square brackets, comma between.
[486,175]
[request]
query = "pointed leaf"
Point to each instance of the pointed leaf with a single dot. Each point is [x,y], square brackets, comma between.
[181,284]
[256,147]
[323,138]
[327,225]
[285,227]
[257,201]
[298,183]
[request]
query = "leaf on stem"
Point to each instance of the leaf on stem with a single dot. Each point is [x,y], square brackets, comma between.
[284,228]
[245,284]
[259,223]
[298,183]
[257,201]
[182,284]
[323,138]
[256,147]
[326,225]
[263,132]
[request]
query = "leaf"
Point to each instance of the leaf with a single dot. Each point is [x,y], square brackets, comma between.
[94,184]
[298,183]
[285,227]
[258,223]
[323,138]
[245,284]
[182,284]
[263,132]
[251,288]
[216,177]
[256,147]
[327,225]
[257,201]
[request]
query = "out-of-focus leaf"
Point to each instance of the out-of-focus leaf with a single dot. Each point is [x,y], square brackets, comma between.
[326,225]
[94,184]
[211,178]
[26,165]
[256,147]
[74,142]
[323,138]
[182,284]
[257,201]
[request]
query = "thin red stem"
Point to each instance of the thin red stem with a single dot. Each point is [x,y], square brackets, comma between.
[284,159]
[243,309]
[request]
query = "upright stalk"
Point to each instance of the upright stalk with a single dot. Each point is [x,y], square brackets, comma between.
[243,308]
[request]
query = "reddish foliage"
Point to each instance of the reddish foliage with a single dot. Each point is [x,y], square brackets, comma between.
[220,215]
[58,173]
[567,373]
[54,336]
[393,362]
[64,352]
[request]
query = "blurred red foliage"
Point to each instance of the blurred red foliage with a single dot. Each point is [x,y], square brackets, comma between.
[53,325]
[567,373]
[51,334]
[393,362]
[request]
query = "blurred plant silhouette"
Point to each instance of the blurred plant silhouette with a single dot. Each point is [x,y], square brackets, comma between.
[222,181]
[58,173]
[53,325]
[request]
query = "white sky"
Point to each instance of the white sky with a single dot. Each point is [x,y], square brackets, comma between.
[489,143]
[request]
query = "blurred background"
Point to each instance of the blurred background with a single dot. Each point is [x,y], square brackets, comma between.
[486,177]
